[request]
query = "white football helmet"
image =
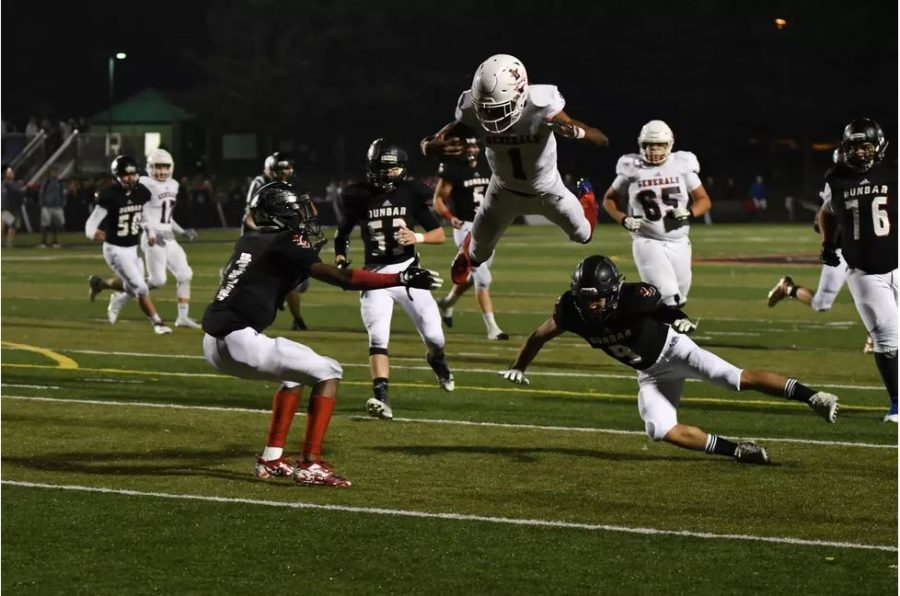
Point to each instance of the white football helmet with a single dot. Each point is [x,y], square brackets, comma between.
[499,90]
[160,165]
[654,134]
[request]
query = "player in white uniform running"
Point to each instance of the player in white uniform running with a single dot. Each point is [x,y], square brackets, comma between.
[517,122]
[161,249]
[659,185]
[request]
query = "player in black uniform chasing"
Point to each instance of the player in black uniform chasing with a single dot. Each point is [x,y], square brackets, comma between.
[630,323]
[859,216]
[116,222]
[268,262]
[386,208]
[463,181]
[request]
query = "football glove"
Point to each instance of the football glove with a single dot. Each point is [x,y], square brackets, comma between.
[682,217]
[190,234]
[632,223]
[514,375]
[345,264]
[685,326]
[829,256]
[423,279]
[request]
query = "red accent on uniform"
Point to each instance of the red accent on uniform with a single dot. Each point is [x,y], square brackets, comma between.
[591,209]
[284,405]
[367,280]
[317,418]
[461,267]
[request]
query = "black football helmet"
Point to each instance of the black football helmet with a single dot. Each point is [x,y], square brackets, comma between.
[472,150]
[863,144]
[385,165]
[277,206]
[278,164]
[595,285]
[124,165]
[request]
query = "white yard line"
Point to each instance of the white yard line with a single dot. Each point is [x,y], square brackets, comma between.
[512,521]
[580,429]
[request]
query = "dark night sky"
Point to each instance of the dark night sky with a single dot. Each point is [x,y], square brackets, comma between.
[716,70]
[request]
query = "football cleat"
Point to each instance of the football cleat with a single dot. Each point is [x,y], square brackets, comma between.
[447,383]
[781,291]
[825,405]
[318,473]
[446,312]
[588,201]
[751,453]
[500,336]
[891,415]
[271,468]
[187,322]
[161,329]
[379,409]
[461,267]
[299,325]
[869,348]
[442,372]
[95,283]
[117,301]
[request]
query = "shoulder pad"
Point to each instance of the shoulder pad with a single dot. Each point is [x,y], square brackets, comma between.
[465,109]
[628,165]
[544,96]
[686,161]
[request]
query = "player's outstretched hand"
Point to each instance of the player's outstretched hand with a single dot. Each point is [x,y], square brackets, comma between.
[345,264]
[514,375]
[423,279]
[632,223]
[685,326]
[190,234]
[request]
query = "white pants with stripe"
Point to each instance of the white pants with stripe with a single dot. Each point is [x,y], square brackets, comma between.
[875,296]
[127,265]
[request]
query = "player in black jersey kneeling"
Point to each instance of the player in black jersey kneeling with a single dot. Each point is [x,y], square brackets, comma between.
[630,323]
[268,262]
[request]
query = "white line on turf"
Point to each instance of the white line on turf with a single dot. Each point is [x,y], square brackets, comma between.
[542,523]
[579,429]
[30,386]
[592,375]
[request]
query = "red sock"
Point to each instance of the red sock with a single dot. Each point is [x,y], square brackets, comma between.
[317,418]
[284,406]
[591,209]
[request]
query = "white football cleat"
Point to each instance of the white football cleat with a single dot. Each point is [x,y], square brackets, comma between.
[379,409]
[187,322]
[117,301]
[825,405]
[161,329]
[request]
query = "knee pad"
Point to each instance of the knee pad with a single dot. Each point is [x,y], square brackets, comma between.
[138,290]
[156,281]
[482,277]
[582,235]
[183,287]
[655,430]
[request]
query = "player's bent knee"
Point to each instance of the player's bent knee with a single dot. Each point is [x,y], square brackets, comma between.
[657,429]
[156,281]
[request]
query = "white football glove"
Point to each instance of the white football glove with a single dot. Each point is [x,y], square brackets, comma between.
[632,223]
[190,234]
[514,375]
[685,326]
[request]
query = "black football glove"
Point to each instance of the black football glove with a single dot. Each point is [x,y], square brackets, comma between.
[829,255]
[345,264]
[423,279]
[318,244]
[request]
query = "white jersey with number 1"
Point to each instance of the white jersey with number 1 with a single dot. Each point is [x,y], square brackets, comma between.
[655,191]
[523,157]
[158,211]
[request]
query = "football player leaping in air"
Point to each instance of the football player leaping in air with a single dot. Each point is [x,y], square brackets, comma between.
[631,324]
[657,184]
[268,261]
[517,122]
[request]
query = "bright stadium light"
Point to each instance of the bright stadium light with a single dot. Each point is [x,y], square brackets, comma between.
[780,23]
[112,79]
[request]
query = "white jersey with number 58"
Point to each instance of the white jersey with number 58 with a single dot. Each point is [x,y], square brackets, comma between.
[523,157]
[655,191]
[158,211]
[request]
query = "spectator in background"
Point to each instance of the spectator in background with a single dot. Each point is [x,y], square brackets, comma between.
[52,199]
[13,199]
[758,194]
[32,128]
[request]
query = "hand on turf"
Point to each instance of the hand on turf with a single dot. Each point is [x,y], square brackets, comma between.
[514,375]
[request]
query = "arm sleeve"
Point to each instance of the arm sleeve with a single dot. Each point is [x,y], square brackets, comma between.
[176,228]
[93,222]
[826,199]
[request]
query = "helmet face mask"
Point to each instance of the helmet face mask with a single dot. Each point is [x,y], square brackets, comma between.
[596,284]
[655,142]
[472,150]
[863,144]
[125,170]
[160,165]
[279,166]
[499,91]
[385,165]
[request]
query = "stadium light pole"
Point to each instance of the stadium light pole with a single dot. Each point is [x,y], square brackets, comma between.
[112,79]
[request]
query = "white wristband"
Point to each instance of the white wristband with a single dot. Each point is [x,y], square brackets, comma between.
[420,238]
[579,132]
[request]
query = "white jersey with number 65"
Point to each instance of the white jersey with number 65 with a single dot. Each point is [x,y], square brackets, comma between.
[654,191]
[522,158]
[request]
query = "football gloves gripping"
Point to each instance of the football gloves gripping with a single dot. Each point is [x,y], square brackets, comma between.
[423,279]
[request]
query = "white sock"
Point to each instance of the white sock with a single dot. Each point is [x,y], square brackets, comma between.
[490,323]
[270,453]
[183,310]
[155,320]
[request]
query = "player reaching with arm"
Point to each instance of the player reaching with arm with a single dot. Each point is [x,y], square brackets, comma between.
[632,325]
[518,123]
[663,193]
[269,261]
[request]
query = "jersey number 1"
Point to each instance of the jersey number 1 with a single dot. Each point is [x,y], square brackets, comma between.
[881,222]
[518,168]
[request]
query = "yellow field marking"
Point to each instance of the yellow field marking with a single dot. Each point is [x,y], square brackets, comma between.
[61,361]
[481,388]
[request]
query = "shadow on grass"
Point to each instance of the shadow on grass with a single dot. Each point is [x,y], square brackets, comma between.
[531,454]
